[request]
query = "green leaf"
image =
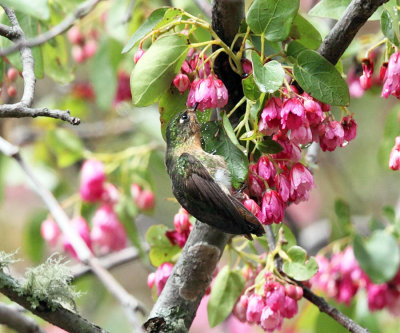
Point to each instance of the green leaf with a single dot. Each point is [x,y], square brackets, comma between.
[34,245]
[216,140]
[66,146]
[127,211]
[37,8]
[342,225]
[156,69]
[250,88]
[299,268]
[390,25]
[294,49]
[171,103]
[227,287]
[268,77]
[56,61]
[305,33]
[230,132]
[335,8]
[269,146]
[272,17]
[379,256]
[289,237]
[318,77]
[161,249]
[154,18]
[389,213]
[103,71]
[170,15]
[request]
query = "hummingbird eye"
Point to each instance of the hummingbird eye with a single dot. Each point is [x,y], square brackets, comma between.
[184,118]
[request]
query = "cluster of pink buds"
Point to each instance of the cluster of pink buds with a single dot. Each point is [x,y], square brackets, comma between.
[340,277]
[301,119]
[269,305]
[160,276]
[394,159]
[11,76]
[144,199]
[182,225]
[84,47]
[123,89]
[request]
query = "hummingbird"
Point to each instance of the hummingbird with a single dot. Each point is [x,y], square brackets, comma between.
[201,181]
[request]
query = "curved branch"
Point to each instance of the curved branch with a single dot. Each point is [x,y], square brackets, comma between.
[80,12]
[344,31]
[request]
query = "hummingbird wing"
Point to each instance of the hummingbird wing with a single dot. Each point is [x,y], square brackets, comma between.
[201,196]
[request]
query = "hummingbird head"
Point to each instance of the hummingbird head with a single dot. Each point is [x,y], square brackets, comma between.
[183,129]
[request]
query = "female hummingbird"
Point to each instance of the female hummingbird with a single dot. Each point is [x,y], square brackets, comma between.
[201,181]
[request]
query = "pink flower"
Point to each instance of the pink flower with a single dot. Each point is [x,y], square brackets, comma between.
[177,238]
[138,54]
[151,280]
[282,182]
[394,159]
[256,184]
[75,36]
[92,180]
[355,88]
[290,308]
[272,208]
[144,199]
[80,225]
[301,135]
[266,170]
[90,48]
[252,206]
[346,290]
[291,151]
[295,292]
[368,70]
[110,195]
[377,296]
[247,66]
[270,320]
[365,82]
[181,221]
[108,234]
[240,308]
[181,82]
[123,89]
[198,63]
[209,93]
[274,296]
[270,116]
[301,182]
[292,114]
[382,72]
[313,109]
[349,127]
[50,231]
[391,85]
[254,308]
[331,135]
[161,276]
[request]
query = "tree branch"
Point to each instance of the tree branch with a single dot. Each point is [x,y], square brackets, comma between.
[18,321]
[344,31]
[130,304]
[50,311]
[81,11]
[23,108]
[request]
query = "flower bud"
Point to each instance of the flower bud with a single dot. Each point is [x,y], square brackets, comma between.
[138,54]
[92,180]
[50,231]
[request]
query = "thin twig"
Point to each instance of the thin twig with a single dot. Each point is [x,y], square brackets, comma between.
[130,304]
[23,108]
[81,11]
[18,321]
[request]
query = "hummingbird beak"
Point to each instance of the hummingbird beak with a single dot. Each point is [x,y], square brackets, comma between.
[195,106]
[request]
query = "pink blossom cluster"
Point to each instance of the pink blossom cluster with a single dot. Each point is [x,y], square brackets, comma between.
[269,305]
[182,225]
[106,233]
[205,89]
[340,277]
[160,276]
[84,47]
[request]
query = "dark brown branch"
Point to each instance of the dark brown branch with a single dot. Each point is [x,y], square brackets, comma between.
[344,31]
[50,311]
[80,12]
[18,321]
